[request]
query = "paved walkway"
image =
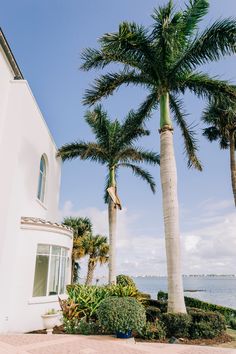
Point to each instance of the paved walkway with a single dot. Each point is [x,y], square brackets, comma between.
[67,344]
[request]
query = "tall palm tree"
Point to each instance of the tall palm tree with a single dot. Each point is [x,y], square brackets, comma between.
[113,147]
[97,248]
[221,120]
[81,228]
[163,59]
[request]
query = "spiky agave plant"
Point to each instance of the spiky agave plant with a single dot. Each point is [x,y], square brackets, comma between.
[113,147]
[164,60]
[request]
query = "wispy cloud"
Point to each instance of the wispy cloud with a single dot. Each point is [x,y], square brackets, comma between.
[208,242]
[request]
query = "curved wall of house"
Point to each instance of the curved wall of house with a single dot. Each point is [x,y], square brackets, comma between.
[25,315]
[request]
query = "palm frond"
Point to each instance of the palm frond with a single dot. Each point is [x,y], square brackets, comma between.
[214,43]
[150,103]
[131,46]
[138,155]
[143,174]
[188,134]
[211,133]
[107,84]
[204,86]
[195,11]
[100,124]
[83,150]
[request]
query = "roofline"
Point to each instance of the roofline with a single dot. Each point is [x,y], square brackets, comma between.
[10,56]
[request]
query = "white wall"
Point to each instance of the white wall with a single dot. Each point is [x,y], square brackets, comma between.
[26,314]
[24,138]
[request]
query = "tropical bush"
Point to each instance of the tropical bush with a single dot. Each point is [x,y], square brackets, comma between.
[176,324]
[232,324]
[227,312]
[83,301]
[206,324]
[125,280]
[152,313]
[121,314]
[162,305]
[153,330]
[76,326]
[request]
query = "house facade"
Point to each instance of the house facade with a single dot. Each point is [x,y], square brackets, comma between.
[35,250]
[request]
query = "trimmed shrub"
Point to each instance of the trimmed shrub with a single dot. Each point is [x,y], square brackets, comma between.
[176,324]
[227,312]
[117,314]
[162,296]
[156,303]
[144,296]
[153,330]
[125,280]
[206,324]
[232,324]
[152,313]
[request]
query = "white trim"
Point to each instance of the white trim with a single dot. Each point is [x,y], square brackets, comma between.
[48,228]
[41,203]
[46,299]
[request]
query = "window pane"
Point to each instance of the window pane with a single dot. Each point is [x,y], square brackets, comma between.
[43,249]
[41,275]
[63,276]
[64,252]
[40,186]
[56,250]
[54,275]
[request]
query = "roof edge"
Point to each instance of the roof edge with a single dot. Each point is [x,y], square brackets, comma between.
[10,57]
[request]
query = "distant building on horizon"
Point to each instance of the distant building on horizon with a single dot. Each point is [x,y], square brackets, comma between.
[35,250]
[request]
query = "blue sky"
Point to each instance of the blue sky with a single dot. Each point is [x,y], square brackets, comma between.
[47,38]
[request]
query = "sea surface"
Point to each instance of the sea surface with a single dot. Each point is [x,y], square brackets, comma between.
[220,290]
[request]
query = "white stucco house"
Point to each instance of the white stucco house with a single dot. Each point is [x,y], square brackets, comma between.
[35,250]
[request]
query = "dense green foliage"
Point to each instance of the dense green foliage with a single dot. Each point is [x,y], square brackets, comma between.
[121,314]
[125,280]
[206,324]
[83,301]
[76,326]
[176,324]
[227,312]
[152,313]
[153,330]
[232,324]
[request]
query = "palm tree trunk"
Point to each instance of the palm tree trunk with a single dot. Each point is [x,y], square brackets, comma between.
[170,210]
[91,268]
[233,163]
[112,217]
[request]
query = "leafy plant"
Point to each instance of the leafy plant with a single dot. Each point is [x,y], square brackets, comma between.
[152,313]
[206,324]
[232,324]
[153,330]
[176,324]
[119,314]
[76,326]
[125,280]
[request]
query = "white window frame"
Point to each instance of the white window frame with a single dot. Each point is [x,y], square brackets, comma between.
[50,255]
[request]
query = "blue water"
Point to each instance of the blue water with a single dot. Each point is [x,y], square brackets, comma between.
[217,290]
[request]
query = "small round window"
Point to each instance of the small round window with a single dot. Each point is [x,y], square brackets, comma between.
[42,179]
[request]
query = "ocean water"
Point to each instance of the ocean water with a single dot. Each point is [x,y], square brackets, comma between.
[220,290]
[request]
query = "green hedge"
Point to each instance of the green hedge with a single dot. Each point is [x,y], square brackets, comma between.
[121,314]
[227,312]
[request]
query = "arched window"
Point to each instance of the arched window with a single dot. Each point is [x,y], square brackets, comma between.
[42,179]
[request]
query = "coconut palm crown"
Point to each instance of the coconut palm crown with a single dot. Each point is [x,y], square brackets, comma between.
[113,147]
[220,117]
[165,59]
